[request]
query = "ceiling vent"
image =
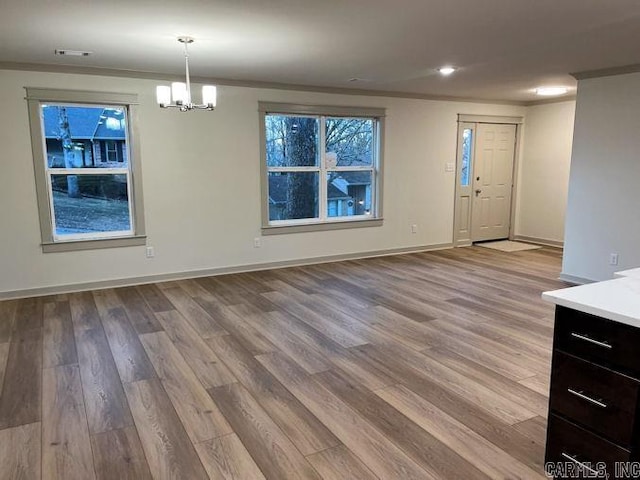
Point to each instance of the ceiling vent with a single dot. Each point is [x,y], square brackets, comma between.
[72,53]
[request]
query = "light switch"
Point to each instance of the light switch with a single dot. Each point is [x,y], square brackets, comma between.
[450,167]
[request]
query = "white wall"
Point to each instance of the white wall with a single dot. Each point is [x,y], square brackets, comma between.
[602,212]
[544,171]
[202,184]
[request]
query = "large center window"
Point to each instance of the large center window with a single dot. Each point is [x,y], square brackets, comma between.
[321,168]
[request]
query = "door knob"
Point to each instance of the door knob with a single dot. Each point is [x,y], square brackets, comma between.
[478,192]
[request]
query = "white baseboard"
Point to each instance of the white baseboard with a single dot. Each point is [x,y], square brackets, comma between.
[166,277]
[565,277]
[539,241]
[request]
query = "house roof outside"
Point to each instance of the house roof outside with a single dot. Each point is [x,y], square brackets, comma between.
[355,178]
[278,190]
[362,161]
[86,123]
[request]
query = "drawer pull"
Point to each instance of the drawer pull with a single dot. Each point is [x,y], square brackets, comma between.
[581,464]
[587,398]
[591,340]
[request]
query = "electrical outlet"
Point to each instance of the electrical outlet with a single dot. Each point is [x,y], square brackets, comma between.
[450,167]
[150,252]
[414,228]
[613,259]
[257,243]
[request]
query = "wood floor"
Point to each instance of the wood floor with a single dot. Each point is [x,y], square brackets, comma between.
[421,366]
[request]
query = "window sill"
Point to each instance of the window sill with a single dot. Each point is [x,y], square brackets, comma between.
[319,227]
[75,245]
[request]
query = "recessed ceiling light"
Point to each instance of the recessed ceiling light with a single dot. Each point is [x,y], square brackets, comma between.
[551,91]
[72,53]
[446,70]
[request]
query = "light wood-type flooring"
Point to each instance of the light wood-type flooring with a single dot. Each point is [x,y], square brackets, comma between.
[423,366]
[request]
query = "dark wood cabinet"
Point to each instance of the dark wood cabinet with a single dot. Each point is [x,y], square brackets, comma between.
[597,339]
[595,388]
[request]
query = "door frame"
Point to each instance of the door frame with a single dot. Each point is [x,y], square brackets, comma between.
[472,121]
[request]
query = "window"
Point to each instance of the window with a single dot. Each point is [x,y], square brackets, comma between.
[87,169]
[321,167]
[111,151]
[467,143]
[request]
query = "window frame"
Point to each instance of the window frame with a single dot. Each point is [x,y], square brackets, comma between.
[323,222]
[38,96]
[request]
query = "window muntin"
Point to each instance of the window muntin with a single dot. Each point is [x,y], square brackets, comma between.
[106,209]
[339,155]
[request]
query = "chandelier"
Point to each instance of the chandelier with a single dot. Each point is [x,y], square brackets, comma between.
[180,92]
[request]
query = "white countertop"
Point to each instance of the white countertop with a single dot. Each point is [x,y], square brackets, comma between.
[617,299]
[634,272]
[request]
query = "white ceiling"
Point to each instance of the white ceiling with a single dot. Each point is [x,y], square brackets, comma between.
[504,48]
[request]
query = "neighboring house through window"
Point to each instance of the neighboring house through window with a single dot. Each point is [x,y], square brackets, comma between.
[322,167]
[87,169]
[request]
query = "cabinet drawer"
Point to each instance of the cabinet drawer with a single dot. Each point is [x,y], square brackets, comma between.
[593,338]
[572,446]
[596,397]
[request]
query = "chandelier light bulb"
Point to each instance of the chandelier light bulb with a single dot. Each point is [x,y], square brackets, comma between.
[209,95]
[179,93]
[163,94]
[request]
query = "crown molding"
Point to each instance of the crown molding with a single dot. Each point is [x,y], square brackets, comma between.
[547,101]
[607,72]
[110,72]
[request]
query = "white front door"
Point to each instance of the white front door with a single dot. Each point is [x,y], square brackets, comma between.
[492,181]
